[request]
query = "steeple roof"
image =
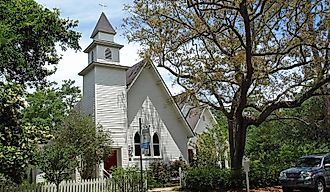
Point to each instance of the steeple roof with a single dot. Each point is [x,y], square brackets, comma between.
[103,25]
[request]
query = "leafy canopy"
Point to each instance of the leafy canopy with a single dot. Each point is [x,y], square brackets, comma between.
[57,162]
[29,35]
[91,143]
[49,104]
[238,55]
[18,141]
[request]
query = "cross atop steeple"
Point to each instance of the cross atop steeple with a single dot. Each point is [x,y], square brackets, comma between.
[103,25]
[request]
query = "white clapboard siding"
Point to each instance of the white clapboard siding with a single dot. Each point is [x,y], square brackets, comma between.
[174,129]
[88,100]
[111,101]
[111,106]
[168,149]
[111,109]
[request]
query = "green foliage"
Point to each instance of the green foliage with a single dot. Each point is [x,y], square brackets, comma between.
[211,147]
[159,171]
[22,187]
[276,145]
[127,179]
[28,36]
[49,104]
[91,142]
[208,179]
[18,141]
[174,167]
[58,162]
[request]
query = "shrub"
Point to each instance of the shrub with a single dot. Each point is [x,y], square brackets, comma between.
[174,167]
[208,179]
[262,175]
[127,179]
[159,171]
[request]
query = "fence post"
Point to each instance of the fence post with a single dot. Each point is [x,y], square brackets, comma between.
[180,175]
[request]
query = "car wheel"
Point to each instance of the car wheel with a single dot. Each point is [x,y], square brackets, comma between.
[319,186]
[286,189]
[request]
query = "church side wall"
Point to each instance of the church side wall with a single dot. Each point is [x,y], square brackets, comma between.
[88,98]
[111,106]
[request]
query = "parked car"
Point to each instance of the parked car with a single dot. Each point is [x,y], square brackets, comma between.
[310,172]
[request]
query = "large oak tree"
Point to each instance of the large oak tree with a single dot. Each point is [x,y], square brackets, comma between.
[246,58]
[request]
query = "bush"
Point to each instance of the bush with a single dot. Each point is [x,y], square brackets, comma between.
[127,179]
[208,179]
[262,175]
[159,171]
[174,167]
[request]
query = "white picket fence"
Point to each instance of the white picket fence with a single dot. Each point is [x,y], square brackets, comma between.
[88,185]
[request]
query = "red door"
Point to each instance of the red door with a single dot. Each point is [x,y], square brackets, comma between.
[111,161]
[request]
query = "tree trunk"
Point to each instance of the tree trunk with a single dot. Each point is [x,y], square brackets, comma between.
[57,187]
[327,113]
[237,138]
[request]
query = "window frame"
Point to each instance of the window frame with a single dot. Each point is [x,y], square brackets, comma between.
[137,144]
[156,144]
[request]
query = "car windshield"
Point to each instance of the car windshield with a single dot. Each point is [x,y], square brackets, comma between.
[309,162]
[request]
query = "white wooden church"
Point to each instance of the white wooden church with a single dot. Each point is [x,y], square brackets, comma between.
[116,96]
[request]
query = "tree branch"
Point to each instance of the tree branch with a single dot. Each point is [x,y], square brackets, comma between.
[289,104]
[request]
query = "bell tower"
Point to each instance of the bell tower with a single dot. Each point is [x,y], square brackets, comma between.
[104,85]
[103,49]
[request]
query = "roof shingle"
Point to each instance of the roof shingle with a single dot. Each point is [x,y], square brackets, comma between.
[103,25]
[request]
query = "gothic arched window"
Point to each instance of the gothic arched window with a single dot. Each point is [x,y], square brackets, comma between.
[155,142]
[108,54]
[137,148]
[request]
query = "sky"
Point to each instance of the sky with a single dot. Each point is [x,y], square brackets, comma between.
[88,13]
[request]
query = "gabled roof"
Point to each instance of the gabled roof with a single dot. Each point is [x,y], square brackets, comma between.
[193,116]
[133,73]
[195,109]
[103,25]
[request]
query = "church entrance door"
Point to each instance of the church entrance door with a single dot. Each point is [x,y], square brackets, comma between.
[111,161]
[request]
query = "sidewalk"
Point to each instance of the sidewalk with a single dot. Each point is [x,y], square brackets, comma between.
[165,189]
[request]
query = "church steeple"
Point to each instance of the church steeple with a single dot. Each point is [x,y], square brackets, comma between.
[103,25]
[103,49]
